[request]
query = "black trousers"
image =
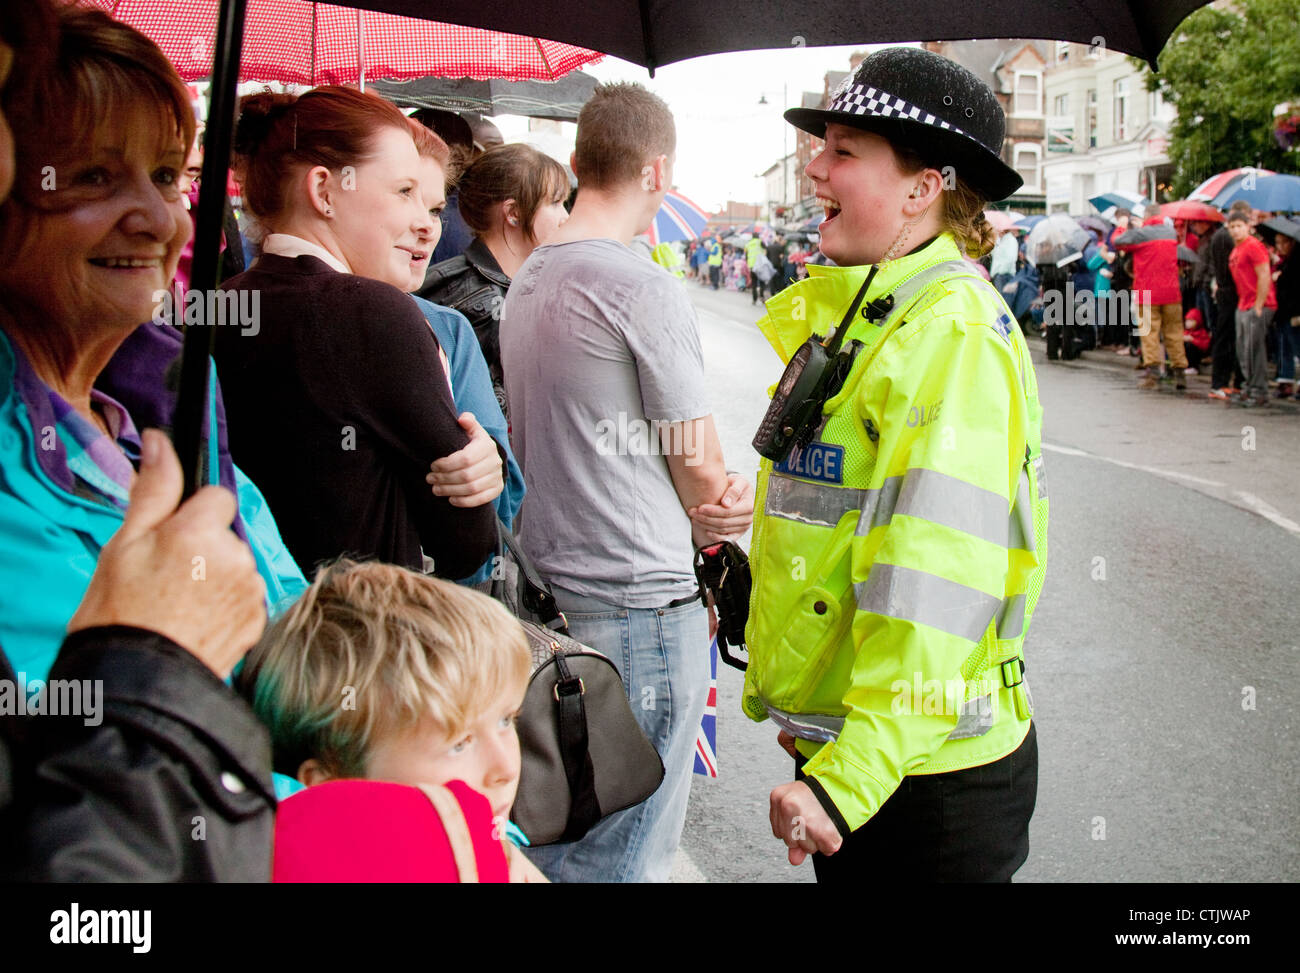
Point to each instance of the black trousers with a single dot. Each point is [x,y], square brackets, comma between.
[1223,344]
[963,826]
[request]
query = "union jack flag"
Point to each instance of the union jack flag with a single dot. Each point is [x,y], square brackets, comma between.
[706,739]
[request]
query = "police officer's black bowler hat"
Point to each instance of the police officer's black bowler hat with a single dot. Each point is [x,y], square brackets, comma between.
[926,103]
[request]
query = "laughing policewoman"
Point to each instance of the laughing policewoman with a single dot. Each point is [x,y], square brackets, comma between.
[901,538]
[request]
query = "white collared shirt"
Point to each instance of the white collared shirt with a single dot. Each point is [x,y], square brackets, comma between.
[288,245]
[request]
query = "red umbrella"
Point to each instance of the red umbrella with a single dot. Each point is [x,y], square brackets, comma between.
[296,42]
[1191,211]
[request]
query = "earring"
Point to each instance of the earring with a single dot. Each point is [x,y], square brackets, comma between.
[513,221]
[328,211]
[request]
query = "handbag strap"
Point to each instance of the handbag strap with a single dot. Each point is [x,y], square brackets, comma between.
[571,720]
[537,595]
[453,822]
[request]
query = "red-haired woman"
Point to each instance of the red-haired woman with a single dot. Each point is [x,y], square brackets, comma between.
[337,396]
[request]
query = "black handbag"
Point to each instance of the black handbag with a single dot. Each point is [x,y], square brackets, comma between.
[583,755]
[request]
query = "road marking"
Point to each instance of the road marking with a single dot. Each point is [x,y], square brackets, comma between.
[1268,512]
[1238,498]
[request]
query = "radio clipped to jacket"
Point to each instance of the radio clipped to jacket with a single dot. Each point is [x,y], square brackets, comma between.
[815,375]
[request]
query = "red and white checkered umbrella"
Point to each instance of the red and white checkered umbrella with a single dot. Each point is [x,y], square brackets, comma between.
[296,42]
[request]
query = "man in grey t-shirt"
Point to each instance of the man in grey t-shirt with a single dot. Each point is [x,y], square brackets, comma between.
[612,427]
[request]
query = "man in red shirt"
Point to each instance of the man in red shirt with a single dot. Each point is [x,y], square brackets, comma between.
[1159,298]
[1256,302]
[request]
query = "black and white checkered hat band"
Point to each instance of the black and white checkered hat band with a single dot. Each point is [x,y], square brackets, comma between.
[856,99]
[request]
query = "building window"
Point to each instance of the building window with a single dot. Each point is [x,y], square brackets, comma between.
[1061,105]
[1123,120]
[1091,123]
[1156,104]
[1027,158]
[1062,51]
[1029,97]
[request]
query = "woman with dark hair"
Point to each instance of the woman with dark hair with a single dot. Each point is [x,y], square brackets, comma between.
[912,500]
[339,403]
[512,197]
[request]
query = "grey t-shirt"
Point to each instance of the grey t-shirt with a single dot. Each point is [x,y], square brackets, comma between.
[599,347]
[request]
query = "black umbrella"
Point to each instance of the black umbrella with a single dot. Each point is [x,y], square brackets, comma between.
[559,100]
[653,33]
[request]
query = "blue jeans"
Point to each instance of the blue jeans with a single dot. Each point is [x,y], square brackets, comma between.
[1288,346]
[662,654]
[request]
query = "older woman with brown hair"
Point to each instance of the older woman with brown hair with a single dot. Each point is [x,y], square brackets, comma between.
[163,745]
[89,239]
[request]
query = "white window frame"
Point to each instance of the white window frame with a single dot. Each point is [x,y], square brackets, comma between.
[1061,104]
[1038,93]
[1121,131]
[1062,51]
[1029,148]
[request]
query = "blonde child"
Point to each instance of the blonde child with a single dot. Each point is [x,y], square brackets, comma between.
[379,672]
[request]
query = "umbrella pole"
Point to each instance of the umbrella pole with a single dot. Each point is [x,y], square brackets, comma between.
[361,49]
[191,400]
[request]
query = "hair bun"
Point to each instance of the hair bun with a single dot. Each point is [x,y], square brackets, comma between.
[258,115]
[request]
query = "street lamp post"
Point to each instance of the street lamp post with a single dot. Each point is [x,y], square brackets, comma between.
[785,156]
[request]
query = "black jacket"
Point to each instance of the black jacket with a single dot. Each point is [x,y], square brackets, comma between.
[1288,290]
[335,409]
[475,285]
[173,785]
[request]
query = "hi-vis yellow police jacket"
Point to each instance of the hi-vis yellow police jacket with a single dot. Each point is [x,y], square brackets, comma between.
[898,557]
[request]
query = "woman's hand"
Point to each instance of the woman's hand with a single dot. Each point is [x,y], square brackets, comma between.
[730,517]
[472,476]
[182,573]
[799,820]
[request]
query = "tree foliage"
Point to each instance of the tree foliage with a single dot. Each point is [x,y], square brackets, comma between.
[1224,69]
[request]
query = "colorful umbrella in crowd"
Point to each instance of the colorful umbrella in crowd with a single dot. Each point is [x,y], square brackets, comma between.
[1216,185]
[1191,211]
[678,219]
[1271,193]
[1135,203]
[297,42]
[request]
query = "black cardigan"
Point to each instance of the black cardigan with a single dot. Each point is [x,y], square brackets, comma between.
[336,406]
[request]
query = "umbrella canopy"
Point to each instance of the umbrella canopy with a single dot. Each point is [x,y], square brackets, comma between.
[657,32]
[1135,203]
[1191,211]
[1280,224]
[1027,223]
[678,219]
[296,42]
[1000,220]
[1273,193]
[1056,239]
[1094,223]
[1216,184]
[558,101]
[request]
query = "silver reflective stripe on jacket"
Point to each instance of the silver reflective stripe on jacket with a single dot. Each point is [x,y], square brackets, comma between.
[807,726]
[918,596]
[810,503]
[974,719]
[1021,535]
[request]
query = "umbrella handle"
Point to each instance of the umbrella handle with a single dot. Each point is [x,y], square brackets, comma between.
[192,396]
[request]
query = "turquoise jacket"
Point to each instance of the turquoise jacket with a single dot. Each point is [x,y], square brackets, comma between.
[471,390]
[50,538]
